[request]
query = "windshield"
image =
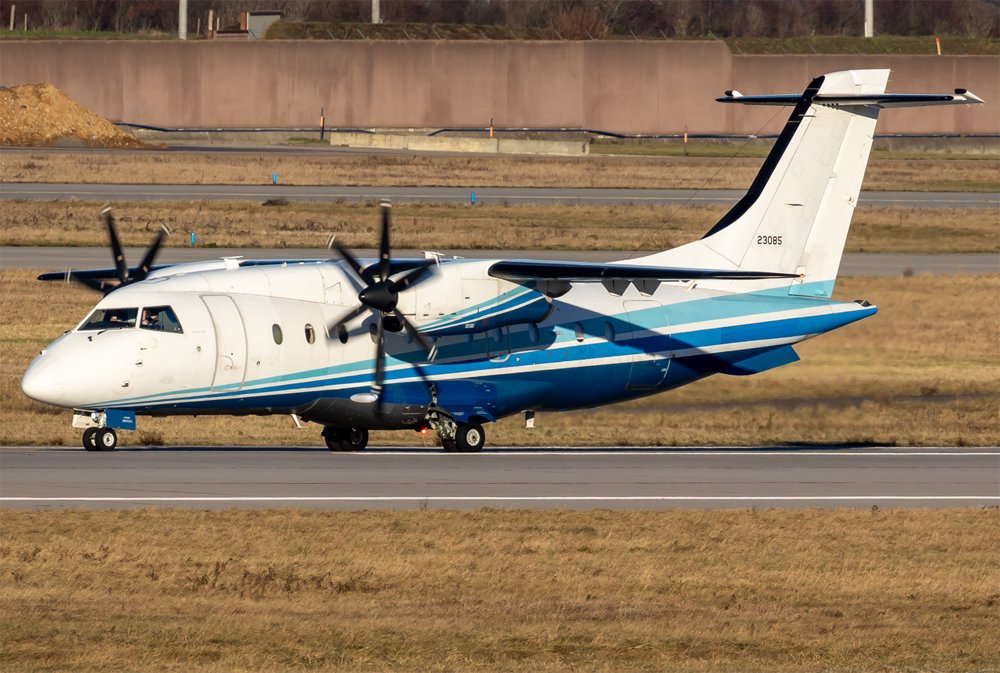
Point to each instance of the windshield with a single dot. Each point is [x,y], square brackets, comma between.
[160,319]
[111,318]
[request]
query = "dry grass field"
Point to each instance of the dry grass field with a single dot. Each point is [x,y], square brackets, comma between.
[927,174]
[452,226]
[500,590]
[924,371]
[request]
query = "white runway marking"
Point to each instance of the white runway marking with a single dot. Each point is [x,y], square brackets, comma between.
[487,498]
[570,451]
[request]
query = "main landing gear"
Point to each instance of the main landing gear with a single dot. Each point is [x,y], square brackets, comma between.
[100,439]
[345,439]
[456,437]
[465,437]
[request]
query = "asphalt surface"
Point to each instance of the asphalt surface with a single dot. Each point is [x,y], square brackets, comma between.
[626,478]
[853,264]
[494,195]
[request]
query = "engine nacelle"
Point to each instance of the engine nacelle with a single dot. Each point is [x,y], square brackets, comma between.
[517,306]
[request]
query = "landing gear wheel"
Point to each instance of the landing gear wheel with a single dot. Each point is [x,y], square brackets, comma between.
[357,440]
[90,439]
[338,439]
[470,438]
[449,445]
[107,439]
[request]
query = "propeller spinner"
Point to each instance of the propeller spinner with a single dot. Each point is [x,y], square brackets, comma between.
[380,294]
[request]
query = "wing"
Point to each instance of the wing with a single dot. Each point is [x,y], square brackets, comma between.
[109,274]
[92,274]
[520,270]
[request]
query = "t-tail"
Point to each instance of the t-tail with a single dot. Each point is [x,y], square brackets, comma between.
[795,217]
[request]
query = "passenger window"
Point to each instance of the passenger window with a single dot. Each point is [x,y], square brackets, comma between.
[310,334]
[533,333]
[276,333]
[160,319]
[342,334]
[111,318]
[580,334]
[609,331]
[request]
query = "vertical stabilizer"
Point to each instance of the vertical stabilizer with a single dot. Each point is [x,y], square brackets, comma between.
[795,216]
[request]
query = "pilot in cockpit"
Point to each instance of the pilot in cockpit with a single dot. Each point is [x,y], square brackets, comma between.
[151,319]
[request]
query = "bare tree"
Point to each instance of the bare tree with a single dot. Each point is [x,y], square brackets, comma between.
[579,21]
[754,21]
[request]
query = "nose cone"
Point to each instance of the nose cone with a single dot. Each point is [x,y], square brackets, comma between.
[45,380]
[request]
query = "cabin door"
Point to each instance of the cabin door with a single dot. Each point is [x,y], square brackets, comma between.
[230,342]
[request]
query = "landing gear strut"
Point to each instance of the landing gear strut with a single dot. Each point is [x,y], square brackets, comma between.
[345,439]
[100,439]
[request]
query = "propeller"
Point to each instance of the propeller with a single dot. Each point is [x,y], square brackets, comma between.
[121,272]
[379,293]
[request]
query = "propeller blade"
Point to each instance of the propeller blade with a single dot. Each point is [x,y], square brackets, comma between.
[383,248]
[151,252]
[427,344]
[121,268]
[91,283]
[412,276]
[352,263]
[379,368]
[423,377]
[346,319]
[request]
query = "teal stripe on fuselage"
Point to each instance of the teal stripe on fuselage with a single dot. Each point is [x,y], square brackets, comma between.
[721,307]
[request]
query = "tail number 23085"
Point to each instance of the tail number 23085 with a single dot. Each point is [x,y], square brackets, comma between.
[769,240]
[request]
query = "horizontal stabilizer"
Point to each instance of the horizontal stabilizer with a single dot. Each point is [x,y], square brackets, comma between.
[881,100]
[519,270]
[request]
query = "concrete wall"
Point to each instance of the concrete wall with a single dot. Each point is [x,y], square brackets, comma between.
[405,141]
[631,87]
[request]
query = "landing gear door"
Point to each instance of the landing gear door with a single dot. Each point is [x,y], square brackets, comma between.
[230,342]
[649,365]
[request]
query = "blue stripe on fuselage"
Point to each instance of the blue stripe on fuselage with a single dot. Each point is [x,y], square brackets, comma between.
[357,375]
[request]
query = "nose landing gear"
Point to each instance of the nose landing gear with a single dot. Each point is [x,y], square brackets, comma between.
[100,439]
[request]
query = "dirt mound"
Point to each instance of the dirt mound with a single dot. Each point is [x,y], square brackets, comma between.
[41,114]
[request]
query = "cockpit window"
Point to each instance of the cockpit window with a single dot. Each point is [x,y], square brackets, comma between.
[111,318]
[160,319]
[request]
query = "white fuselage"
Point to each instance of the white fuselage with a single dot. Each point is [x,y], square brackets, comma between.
[255,340]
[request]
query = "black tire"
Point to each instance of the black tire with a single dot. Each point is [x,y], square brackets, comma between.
[90,439]
[357,439]
[449,445]
[338,439]
[333,442]
[107,439]
[470,438]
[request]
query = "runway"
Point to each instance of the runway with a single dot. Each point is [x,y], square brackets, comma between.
[486,195]
[621,478]
[853,264]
